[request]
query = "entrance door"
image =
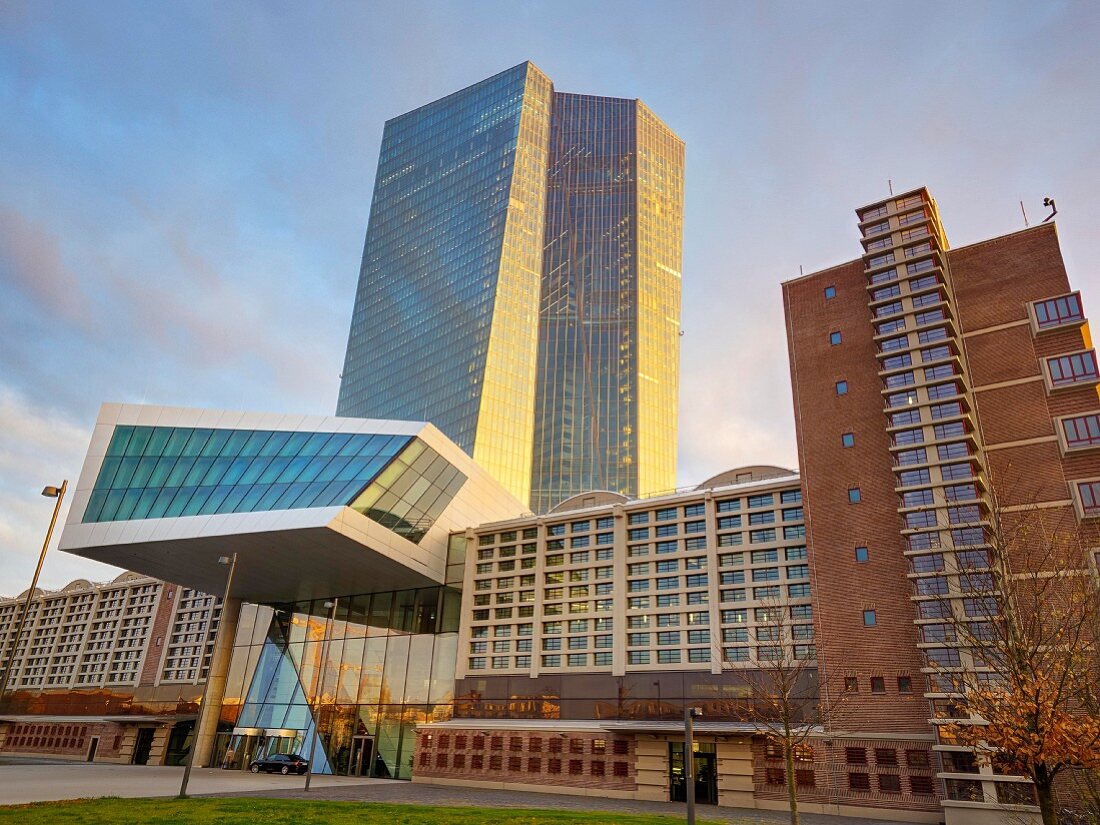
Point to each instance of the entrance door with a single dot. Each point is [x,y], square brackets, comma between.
[93,748]
[362,755]
[706,773]
[142,745]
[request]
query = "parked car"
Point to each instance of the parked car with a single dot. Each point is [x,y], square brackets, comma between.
[283,763]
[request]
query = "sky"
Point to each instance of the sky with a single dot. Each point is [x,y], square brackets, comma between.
[184,187]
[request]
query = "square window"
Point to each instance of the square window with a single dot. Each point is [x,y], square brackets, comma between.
[854,495]
[905,684]
[878,684]
[830,292]
[851,684]
[834,338]
[841,387]
[847,440]
[862,555]
[889,783]
[869,618]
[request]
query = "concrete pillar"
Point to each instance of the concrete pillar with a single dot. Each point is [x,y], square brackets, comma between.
[211,711]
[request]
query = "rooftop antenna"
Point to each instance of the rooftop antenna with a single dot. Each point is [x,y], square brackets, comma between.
[800,273]
[1026,224]
[890,184]
[1053,209]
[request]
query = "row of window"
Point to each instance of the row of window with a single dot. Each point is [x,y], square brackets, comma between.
[516,764]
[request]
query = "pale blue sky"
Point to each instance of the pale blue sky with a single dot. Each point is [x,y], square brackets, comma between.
[184,187]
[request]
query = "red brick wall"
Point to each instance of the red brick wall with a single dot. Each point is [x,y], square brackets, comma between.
[842,588]
[911,758]
[539,758]
[66,739]
[162,624]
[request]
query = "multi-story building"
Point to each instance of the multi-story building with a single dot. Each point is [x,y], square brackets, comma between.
[586,632]
[941,395]
[106,671]
[520,286]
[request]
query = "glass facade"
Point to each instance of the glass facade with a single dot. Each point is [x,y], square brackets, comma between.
[444,327]
[520,286]
[166,472]
[385,663]
[411,492]
[605,413]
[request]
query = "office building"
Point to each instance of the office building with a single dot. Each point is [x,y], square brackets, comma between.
[520,286]
[929,383]
[317,510]
[106,672]
[587,632]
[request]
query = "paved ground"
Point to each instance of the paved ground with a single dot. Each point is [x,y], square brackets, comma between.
[387,790]
[40,780]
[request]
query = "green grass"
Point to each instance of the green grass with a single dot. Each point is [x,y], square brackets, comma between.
[249,811]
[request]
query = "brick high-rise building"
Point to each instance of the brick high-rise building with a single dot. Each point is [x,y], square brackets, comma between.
[928,384]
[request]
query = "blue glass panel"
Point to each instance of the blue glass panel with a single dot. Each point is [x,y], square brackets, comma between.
[119,439]
[196,442]
[176,440]
[275,443]
[164,472]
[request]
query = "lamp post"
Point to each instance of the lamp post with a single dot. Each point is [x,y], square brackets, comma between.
[689,761]
[320,692]
[48,492]
[232,562]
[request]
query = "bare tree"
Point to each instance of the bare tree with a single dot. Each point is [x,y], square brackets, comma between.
[1025,663]
[786,703]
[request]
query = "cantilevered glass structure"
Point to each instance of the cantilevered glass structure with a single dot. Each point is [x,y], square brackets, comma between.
[520,286]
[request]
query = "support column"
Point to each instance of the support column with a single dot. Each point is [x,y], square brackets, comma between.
[210,713]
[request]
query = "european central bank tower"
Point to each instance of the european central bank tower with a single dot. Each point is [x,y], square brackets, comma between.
[520,286]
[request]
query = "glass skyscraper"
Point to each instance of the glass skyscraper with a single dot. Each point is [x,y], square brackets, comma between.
[520,286]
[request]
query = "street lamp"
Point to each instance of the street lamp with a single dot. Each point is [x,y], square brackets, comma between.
[232,562]
[320,692]
[689,761]
[48,492]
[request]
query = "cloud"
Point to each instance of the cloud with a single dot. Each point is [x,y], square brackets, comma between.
[30,262]
[39,446]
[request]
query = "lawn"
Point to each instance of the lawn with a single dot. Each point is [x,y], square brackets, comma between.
[249,811]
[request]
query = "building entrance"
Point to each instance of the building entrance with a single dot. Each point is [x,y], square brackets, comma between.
[362,756]
[706,773]
[143,744]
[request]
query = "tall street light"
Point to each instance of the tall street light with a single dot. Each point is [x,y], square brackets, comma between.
[320,692]
[48,492]
[232,562]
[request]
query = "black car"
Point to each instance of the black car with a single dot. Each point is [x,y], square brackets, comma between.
[283,763]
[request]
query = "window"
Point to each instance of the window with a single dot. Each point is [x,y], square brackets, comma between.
[854,495]
[889,783]
[841,387]
[878,684]
[905,685]
[847,440]
[869,618]
[834,338]
[920,784]
[1076,368]
[862,555]
[1056,312]
[851,684]
[638,657]
[855,756]
[830,292]
[1081,431]
[1089,493]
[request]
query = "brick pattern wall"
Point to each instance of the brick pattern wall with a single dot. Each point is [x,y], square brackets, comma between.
[823,773]
[62,739]
[843,588]
[579,760]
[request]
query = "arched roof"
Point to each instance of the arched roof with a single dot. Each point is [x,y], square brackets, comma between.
[741,475]
[590,498]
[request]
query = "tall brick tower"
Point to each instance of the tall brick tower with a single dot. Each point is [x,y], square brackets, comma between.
[929,382]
